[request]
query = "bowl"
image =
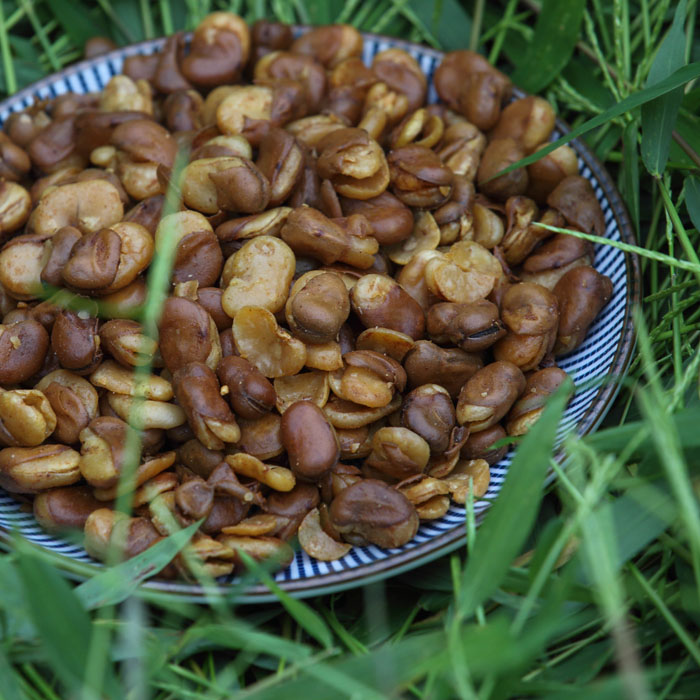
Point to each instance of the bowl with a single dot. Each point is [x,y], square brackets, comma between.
[596,367]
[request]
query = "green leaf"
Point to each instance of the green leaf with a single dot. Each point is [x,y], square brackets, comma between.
[503,534]
[630,171]
[116,583]
[10,688]
[556,32]
[309,619]
[692,199]
[237,635]
[680,77]
[78,24]
[659,115]
[446,20]
[63,625]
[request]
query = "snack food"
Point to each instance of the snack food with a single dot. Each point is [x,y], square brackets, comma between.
[449,275]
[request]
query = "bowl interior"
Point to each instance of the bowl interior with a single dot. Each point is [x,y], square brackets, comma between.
[604,355]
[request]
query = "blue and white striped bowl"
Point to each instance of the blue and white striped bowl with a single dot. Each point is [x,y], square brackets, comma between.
[599,363]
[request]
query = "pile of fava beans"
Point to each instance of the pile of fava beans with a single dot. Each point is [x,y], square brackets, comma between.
[359,311]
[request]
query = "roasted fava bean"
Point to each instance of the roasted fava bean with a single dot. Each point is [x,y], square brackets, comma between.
[21,262]
[390,218]
[581,293]
[15,207]
[426,363]
[529,121]
[26,418]
[498,155]
[23,347]
[370,511]
[119,380]
[554,258]
[489,394]
[280,160]
[267,346]
[32,469]
[398,452]
[73,400]
[575,199]
[105,528]
[529,309]
[93,261]
[76,342]
[125,342]
[309,386]
[419,178]
[251,395]
[480,96]
[269,36]
[65,507]
[310,440]
[479,445]
[317,307]
[528,408]
[102,451]
[547,172]
[429,412]
[89,206]
[187,334]
[259,274]
[309,232]
[379,301]
[354,162]
[472,327]
[197,391]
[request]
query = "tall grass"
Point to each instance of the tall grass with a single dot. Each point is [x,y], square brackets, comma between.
[589,590]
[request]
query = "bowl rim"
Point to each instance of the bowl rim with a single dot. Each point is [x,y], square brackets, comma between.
[452,539]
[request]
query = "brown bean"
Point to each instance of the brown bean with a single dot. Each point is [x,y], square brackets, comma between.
[489,394]
[187,334]
[581,293]
[65,507]
[317,307]
[76,341]
[23,347]
[472,327]
[370,511]
[428,411]
[93,261]
[575,199]
[426,363]
[529,407]
[480,445]
[499,154]
[379,301]
[197,391]
[310,440]
[32,469]
[419,178]
[250,393]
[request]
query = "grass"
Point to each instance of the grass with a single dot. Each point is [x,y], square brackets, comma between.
[592,589]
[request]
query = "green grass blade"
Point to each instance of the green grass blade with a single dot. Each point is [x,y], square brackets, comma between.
[556,31]
[309,619]
[630,171]
[692,199]
[117,583]
[10,687]
[63,625]
[659,115]
[500,540]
